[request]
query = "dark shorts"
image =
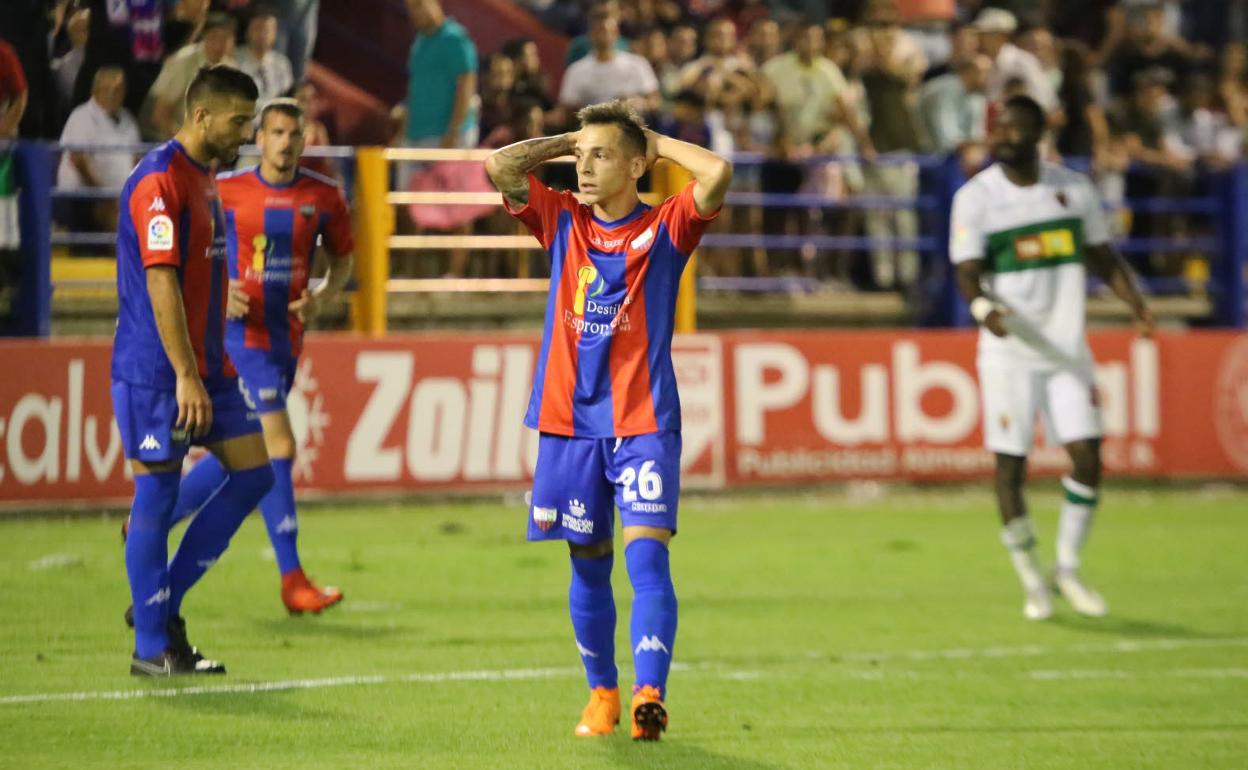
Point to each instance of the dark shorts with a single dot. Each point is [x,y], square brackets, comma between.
[580,481]
[145,419]
[266,379]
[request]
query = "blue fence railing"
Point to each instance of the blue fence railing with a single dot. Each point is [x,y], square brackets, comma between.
[1223,204]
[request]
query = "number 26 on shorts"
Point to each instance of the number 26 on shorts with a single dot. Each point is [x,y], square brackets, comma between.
[649,483]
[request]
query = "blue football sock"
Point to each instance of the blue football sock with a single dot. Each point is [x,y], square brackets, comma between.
[278,509]
[198,487]
[653,623]
[209,533]
[147,556]
[592,606]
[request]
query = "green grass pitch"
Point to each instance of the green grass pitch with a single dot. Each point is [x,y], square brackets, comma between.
[820,631]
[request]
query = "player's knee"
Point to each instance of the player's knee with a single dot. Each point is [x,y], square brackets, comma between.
[591,550]
[252,483]
[1011,471]
[649,564]
[1085,459]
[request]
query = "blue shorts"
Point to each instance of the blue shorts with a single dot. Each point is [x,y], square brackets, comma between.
[266,379]
[580,481]
[145,418]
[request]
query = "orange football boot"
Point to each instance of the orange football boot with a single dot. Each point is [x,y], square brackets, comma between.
[602,714]
[649,716]
[300,595]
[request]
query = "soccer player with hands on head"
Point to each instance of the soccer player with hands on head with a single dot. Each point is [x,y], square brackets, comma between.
[604,394]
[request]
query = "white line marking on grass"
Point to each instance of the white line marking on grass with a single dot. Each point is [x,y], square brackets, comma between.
[1114,673]
[710,667]
[55,561]
[1033,650]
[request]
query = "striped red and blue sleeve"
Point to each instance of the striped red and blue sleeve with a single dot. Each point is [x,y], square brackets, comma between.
[156,211]
[685,225]
[541,213]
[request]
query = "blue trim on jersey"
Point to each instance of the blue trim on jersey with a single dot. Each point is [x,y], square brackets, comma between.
[661,286]
[279,229]
[175,145]
[276,185]
[593,405]
[641,209]
[558,254]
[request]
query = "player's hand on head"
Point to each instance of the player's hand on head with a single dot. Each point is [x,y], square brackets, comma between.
[652,148]
[237,301]
[194,406]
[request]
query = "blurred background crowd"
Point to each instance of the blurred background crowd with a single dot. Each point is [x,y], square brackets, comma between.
[822,98]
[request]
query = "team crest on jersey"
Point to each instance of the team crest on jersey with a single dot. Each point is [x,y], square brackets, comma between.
[545,518]
[160,233]
[1061,198]
[642,240]
[587,278]
[307,210]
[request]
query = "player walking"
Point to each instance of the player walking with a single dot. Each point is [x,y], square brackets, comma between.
[275,215]
[604,393]
[172,383]
[1022,232]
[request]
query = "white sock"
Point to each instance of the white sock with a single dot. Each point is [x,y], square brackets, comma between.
[1020,540]
[1075,523]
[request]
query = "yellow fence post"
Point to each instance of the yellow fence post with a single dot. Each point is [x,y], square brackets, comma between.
[374,222]
[668,179]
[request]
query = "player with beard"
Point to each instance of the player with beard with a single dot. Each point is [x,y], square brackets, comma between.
[173,384]
[1022,233]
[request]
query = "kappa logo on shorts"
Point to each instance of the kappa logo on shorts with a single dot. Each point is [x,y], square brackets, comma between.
[149,443]
[544,518]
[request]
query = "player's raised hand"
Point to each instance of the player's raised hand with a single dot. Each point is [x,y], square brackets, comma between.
[1145,324]
[237,302]
[194,406]
[652,148]
[306,307]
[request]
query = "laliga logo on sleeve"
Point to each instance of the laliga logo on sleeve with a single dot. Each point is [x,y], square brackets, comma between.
[160,233]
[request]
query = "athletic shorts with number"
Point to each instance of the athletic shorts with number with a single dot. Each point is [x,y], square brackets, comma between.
[579,482]
[1012,395]
[267,379]
[146,417]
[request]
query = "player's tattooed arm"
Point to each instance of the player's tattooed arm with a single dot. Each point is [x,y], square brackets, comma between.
[1106,263]
[712,174]
[509,166]
[165,293]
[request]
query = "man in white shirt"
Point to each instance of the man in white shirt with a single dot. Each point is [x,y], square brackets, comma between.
[608,74]
[1022,233]
[995,26]
[101,120]
[269,68]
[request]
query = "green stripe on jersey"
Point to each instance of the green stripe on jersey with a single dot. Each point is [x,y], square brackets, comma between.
[1049,243]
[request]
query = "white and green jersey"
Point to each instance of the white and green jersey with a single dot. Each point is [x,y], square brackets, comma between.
[1032,241]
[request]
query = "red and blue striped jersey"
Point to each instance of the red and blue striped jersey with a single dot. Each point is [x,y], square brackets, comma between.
[170,215]
[605,367]
[272,232]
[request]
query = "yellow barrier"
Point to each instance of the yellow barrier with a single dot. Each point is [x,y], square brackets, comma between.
[374,222]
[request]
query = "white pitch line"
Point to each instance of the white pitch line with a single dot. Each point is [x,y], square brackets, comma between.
[1117,673]
[517,674]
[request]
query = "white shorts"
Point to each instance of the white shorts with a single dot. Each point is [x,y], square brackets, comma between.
[1012,395]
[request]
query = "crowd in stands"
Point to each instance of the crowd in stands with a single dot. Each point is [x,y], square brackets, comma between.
[828,96]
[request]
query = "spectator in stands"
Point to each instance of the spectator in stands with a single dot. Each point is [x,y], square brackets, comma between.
[531,80]
[892,67]
[183,25]
[682,45]
[963,45]
[1039,42]
[269,68]
[763,43]
[296,33]
[1205,129]
[1233,86]
[955,111]
[690,122]
[497,92]
[102,120]
[721,75]
[1084,130]
[653,48]
[582,45]
[441,80]
[315,132]
[609,73]
[25,24]
[1100,25]
[13,97]
[995,27]
[1150,45]
[526,121]
[131,38]
[65,68]
[165,105]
